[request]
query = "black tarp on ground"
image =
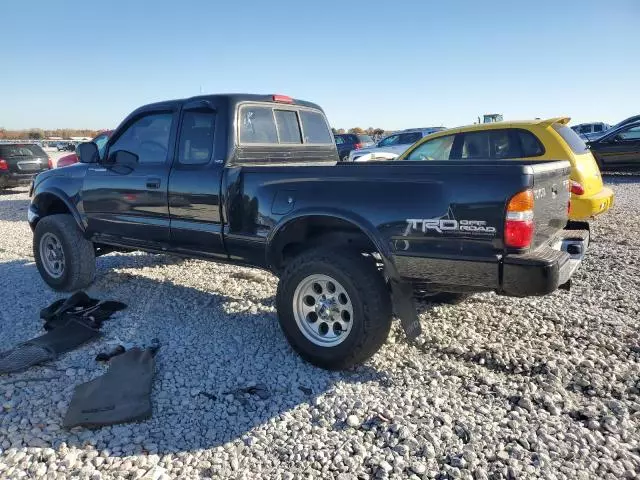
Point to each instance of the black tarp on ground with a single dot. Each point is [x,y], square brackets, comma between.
[123,394]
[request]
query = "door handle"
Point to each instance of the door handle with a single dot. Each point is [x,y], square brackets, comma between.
[153,183]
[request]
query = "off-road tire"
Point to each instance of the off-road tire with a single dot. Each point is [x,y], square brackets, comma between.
[79,254]
[369,296]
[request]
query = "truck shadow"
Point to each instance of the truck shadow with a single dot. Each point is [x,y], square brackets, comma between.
[223,370]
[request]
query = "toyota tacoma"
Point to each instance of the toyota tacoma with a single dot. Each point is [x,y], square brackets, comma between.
[256,180]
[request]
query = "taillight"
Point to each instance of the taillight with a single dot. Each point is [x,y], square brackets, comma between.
[576,188]
[357,146]
[518,225]
[50,163]
[3,164]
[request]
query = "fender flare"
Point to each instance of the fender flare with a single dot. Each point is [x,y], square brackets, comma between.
[356,220]
[62,196]
[401,291]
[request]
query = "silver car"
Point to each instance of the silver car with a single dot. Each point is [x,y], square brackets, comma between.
[393,145]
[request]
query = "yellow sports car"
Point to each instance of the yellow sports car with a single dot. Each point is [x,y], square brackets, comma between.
[548,139]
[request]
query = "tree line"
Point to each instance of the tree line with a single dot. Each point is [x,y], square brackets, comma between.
[361,131]
[40,134]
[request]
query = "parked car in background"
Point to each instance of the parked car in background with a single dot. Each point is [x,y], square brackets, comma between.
[100,140]
[618,147]
[347,142]
[66,147]
[633,119]
[548,139]
[590,131]
[19,163]
[393,145]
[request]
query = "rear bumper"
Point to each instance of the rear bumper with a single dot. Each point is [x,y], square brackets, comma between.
[544,270]
[586,207]
[8,179]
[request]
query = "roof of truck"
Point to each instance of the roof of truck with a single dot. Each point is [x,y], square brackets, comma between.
[233,98]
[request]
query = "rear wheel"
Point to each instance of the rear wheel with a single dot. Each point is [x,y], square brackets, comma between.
[334,307]
[65,259]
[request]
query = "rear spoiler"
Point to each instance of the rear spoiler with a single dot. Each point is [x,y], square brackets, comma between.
[550,121]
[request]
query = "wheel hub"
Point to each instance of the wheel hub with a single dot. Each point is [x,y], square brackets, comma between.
[52,255]
[323,310]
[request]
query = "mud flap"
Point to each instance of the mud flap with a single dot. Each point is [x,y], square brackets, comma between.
[404,307]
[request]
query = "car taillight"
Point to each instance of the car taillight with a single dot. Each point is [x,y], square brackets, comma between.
[3,164]
[576,188]
[518,225]
[357,146]
[50,163]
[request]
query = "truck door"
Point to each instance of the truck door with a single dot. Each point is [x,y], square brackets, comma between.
[127,202]
[194,184]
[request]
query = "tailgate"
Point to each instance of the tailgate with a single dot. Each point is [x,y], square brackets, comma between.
[551,192]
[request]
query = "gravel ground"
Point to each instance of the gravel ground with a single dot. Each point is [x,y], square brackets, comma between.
[498,388]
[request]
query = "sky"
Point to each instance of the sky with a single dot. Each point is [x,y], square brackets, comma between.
[403,64]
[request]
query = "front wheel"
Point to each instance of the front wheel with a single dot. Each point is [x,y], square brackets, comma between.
[65,259]
[334,307]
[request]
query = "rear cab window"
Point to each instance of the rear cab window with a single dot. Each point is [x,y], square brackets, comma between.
[571,138]
[275,125]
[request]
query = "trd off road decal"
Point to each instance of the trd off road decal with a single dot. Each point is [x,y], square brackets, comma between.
[447,224]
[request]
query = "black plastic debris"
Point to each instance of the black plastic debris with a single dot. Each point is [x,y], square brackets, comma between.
[121,395]
[69,323]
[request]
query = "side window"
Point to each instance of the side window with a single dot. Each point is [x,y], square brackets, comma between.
[391,140]
[409,138]
[315,127]
[288,128]
[475,145]
[257,125]
[147,137]
[597,127]
[529,143]
[632,133]
[504,144]
[339,140]
[196,137]
[436,149]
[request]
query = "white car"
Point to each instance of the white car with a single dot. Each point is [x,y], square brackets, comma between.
[390,147]
[591,131]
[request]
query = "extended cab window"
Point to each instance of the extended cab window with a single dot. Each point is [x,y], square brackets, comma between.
[147,137]
[315,127]
[196,137]
[288,128]
[257,125]
[436,149]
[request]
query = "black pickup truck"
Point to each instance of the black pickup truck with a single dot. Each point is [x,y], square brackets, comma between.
[256,180]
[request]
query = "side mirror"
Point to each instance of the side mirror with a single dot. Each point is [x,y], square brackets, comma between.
[122,157]
[87,152]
